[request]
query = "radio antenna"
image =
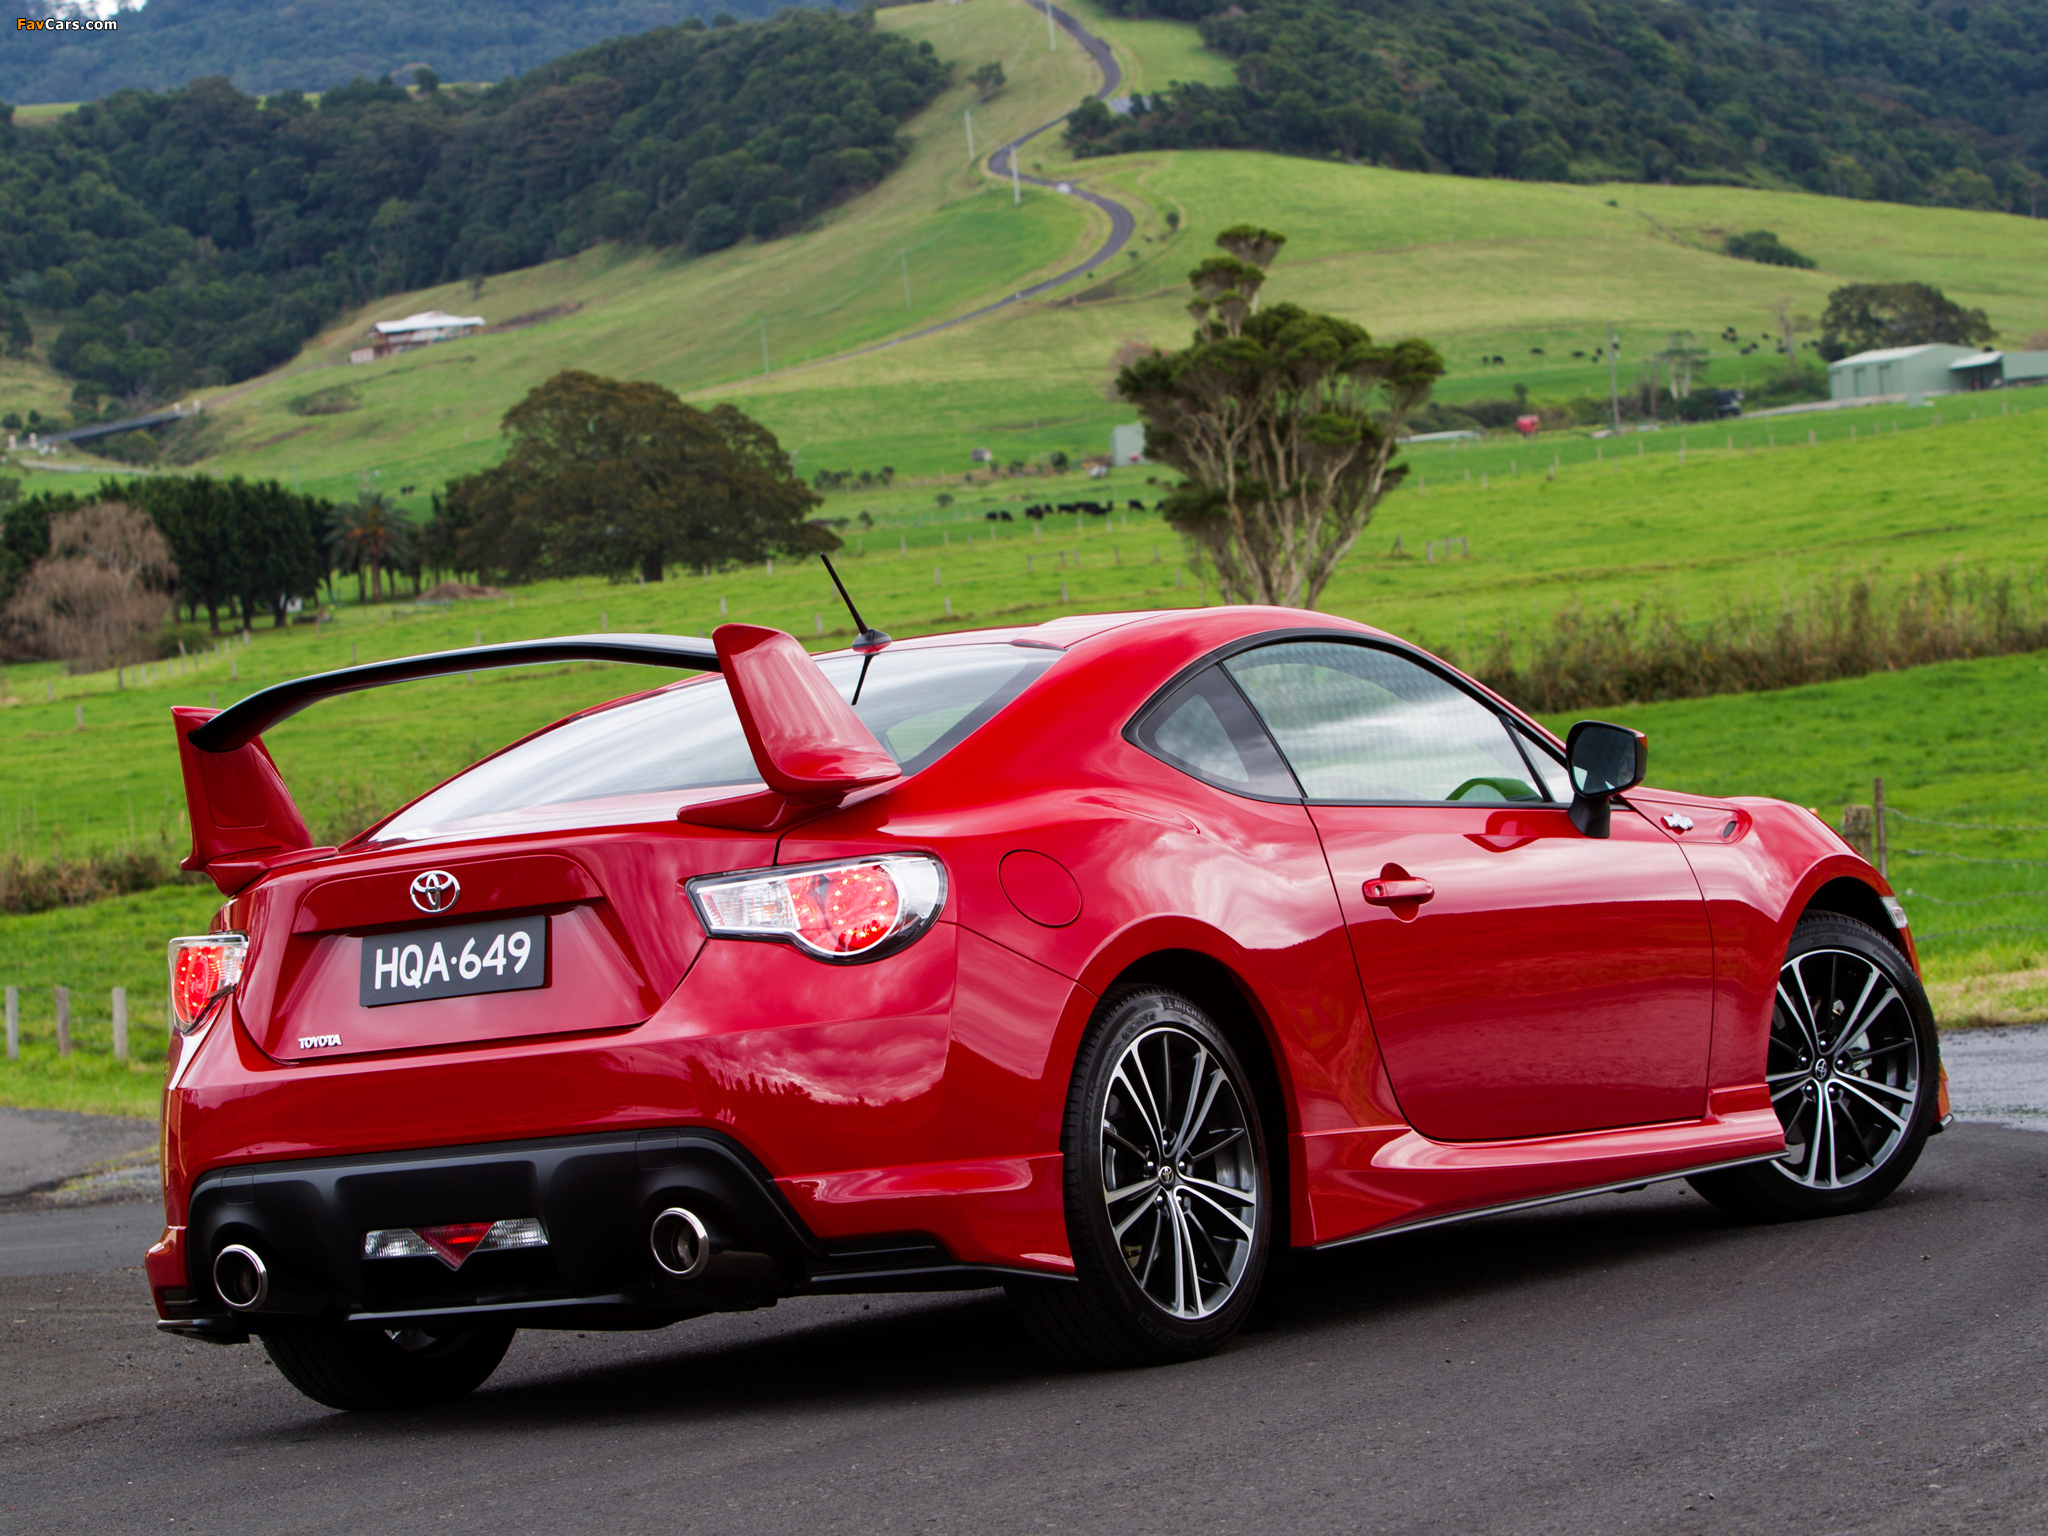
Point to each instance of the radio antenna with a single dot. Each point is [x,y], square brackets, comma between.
[870,640]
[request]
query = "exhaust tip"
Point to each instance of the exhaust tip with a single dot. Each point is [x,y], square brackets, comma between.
[682,1246]
[241,1277]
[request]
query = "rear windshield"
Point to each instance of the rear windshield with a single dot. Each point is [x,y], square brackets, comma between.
[632,762]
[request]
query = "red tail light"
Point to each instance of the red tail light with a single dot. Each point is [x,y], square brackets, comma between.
[852,909]
[203,971]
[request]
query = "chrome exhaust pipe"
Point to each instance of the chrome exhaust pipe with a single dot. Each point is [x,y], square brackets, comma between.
[682,1246]
[241,1277]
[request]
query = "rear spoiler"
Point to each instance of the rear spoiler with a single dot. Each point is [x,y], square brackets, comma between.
[810,747]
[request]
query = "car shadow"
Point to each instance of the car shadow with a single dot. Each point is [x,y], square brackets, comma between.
[826,1355]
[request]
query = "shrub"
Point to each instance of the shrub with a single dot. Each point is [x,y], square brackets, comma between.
[1764,246]
[1848,627]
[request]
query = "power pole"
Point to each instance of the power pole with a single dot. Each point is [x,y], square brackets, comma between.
[970,135]
[764,346]
[1016,187]
[1614,374]
[1051,38]
[906,277]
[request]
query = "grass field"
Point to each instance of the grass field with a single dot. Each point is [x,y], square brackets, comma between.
[1755,526]
[1482,268]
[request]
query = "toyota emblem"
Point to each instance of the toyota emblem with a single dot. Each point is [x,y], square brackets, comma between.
[435,891]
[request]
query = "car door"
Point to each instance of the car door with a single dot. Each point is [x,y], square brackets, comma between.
[1522,978]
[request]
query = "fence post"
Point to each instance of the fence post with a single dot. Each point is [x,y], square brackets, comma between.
[63,999]
[120,1023]
[1878,829]
[1856,831]
[14,1023]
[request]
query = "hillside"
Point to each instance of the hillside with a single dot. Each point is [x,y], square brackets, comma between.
[1483,267]
[199,236]
[1890,99]
[311,45]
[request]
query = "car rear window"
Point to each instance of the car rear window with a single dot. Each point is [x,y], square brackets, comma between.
[630,762]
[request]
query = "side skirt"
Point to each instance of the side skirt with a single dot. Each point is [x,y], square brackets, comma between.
[1626,1186]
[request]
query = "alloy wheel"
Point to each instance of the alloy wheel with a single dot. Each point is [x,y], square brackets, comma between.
[1843,1069]
[1180,1175]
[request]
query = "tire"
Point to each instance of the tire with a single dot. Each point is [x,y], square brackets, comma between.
[1206,1211]
[1855,1119]
[359,1368]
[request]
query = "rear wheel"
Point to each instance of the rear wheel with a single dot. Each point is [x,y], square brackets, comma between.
[1853,1068]
[1168,1193]
[358,1368]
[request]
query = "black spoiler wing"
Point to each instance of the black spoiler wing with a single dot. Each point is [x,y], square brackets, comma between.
[239,724]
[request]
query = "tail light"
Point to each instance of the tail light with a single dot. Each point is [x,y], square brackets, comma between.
[203,971]
[846,911]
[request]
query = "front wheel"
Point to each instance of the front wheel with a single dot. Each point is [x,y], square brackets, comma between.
[1168,1191]
[358,1368]
[1853,1069]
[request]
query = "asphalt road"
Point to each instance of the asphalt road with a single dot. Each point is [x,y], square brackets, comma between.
[1635,1363]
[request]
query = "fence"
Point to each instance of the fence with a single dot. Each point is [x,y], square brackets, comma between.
[1964,885]
[60,1000]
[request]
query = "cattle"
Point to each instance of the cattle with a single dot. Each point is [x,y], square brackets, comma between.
[1135,506]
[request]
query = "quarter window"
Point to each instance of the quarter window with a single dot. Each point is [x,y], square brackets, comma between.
[1204,728]
[1363,724]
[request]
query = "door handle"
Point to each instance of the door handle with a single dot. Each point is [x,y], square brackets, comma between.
[1386,893]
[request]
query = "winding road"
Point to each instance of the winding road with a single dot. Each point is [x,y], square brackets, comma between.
[1122,223]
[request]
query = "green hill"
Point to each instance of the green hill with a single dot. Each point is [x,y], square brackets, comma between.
[1482,267]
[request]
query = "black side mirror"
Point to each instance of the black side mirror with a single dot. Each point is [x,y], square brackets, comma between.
[1603,760]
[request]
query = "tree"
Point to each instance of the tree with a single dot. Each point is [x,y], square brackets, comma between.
[105,580]
[987,80]
[1284,423]
[1681,358]
[611,478]
[370,536]
[1864,317]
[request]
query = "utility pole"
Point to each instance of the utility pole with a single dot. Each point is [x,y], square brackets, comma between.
[906,277]
[764,346]
[1051,38]
[970,135]
[1016,187]
[1614,374]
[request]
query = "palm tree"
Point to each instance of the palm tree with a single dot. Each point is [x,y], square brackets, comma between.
[372,536]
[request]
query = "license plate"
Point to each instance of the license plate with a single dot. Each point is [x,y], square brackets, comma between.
[508,955]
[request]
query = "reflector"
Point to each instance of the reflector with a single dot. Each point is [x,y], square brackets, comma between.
[455,1241]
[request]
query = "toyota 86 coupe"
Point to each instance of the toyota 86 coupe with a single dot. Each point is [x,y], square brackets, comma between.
[1094,960]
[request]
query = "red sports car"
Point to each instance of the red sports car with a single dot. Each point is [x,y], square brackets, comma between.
[1091,960]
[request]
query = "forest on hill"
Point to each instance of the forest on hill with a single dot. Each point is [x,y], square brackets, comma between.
[200,236]
[1900,100]
[263,46]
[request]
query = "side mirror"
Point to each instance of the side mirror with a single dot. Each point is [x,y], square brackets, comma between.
[1603,760]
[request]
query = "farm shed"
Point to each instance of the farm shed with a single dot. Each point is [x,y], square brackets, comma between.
[420,330]
[1995,370]
[1920,370]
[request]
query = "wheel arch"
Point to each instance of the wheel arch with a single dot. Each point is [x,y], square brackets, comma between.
[1226,998]
[1850,897]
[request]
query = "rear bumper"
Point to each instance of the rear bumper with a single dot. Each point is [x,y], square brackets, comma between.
[595,1197]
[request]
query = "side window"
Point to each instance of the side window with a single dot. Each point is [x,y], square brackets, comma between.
[1204,728]
[1358,723]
